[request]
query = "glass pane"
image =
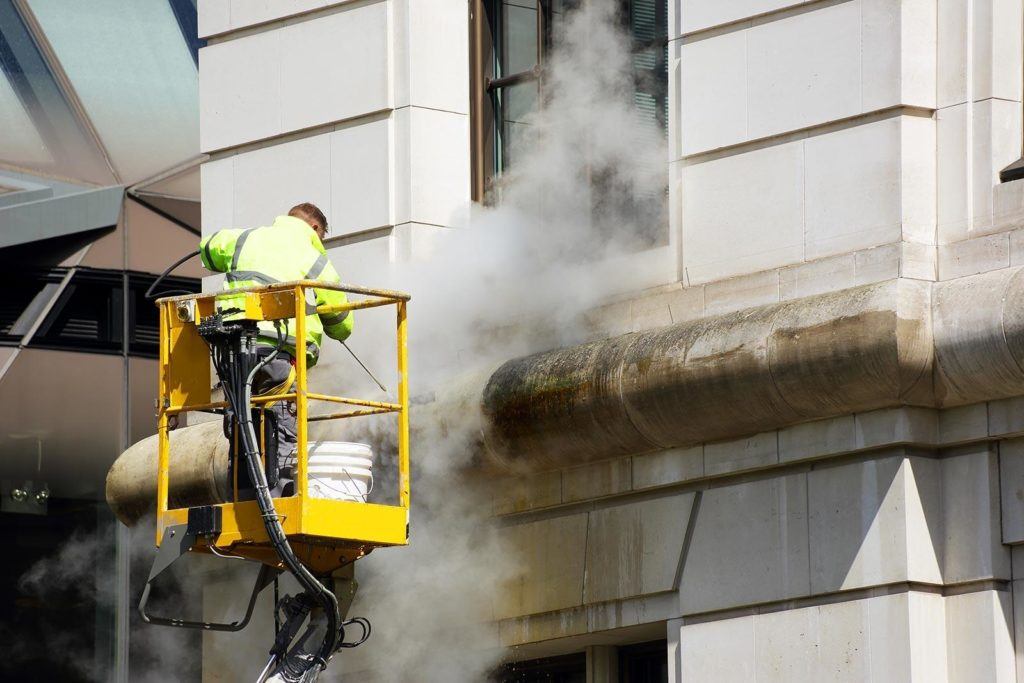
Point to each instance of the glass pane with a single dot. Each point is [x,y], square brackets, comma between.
[519,37]
[41,132]
[514,104]
[648,20]
[21,144]
[134,73]
[650,95]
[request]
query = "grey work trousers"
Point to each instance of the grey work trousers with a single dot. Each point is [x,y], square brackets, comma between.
[272,377]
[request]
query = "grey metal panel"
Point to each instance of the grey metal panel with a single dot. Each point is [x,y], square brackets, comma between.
[60,216]
[22,191]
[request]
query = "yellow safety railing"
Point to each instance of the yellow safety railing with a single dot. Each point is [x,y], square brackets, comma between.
[185,386]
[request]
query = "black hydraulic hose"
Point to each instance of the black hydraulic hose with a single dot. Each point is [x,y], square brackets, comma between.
[271,521]
[160,278]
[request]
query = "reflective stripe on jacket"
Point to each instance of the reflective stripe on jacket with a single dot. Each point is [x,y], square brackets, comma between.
[287,250]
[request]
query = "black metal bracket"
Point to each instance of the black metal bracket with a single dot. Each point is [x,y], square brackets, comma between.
[177,541]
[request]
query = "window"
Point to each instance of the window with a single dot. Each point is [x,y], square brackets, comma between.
[564,669]
[644,663]
[89,315]
[25,295]
[512,40]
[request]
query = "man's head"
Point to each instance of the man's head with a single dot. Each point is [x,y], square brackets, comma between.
[312,215]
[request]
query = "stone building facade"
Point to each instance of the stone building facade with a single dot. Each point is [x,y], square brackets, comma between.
[822,476]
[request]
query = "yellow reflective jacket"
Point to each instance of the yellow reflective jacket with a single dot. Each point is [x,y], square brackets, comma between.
[287,250]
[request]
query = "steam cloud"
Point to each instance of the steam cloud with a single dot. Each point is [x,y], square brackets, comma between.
[586,184]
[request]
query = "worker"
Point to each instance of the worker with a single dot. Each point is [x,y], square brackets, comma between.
[290,249]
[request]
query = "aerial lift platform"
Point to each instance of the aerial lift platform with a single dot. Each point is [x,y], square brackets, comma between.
[309,536]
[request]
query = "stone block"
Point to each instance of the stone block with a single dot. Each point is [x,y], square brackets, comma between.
[877,264]
[1017,561]
[667,467]
[1018,627]
[1017,247]
[953,54]
[238,102]
[617,614]
[1011,487]
[817,277]
[787,90]
[738,293]
[431,52]
[869,523]
[816,439]
[432,170]
[596,480]
[750,545]
[1008,213]
[917,46]
[540,627]
[552,555]
[249,12]
[713,91]
[979,637]
[752,452]
[974,256]
[952,172]
[520,493]
[881,638]
[917,178]
[360,173]
[1006,416]
[919,261]
[608,321]
[363,261]
[743,213]
[634,549]
[649,312]
[966,423]
[970,508]
[975,141]
[997,50]
[353,46]
[250,86]
[214,16]
[856,204]
[271,179]
[722,651]
[699,15]
[217,182]
[686,304]
[897,426]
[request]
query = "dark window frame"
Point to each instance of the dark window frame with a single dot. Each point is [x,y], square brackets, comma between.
[637,662]
[559,669]
[128,327]
[487,83]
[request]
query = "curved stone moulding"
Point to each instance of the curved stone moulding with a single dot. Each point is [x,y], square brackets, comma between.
[893,343]
[745,372]
[199,472]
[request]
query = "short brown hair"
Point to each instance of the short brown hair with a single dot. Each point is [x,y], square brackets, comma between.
[309,213]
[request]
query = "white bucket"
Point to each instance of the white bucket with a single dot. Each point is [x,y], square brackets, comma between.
[340,470]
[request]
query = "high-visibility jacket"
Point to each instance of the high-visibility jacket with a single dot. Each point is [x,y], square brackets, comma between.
[287,250]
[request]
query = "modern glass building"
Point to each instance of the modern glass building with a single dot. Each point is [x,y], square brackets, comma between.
[99,190]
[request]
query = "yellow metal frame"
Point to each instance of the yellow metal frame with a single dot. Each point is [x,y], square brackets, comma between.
[325,534]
